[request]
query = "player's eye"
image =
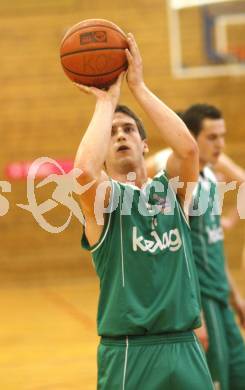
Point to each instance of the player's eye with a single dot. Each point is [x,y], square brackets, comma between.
[212,137]
[128,129]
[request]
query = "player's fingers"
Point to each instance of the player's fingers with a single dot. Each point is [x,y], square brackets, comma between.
[95,91]
[117,83]
[129,56]
[120,78]
[132,44]
[88,90]
[83,88]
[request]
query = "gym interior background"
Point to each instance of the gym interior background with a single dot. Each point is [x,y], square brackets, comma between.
[48,285]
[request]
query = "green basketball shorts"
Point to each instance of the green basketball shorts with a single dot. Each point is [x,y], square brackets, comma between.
[226,351]
[157,362]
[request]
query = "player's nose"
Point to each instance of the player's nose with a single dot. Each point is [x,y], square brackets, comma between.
[220,143]
[121,135]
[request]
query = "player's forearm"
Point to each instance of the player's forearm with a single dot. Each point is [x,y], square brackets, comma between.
[232,217]
[233,288]
[173,130]
[91,153]
[230,170]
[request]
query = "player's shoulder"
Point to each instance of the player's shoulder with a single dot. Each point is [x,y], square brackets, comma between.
[161,176]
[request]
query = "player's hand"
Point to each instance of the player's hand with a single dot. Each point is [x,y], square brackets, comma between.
[226,223]
[112,93]
[135,64]
[202,335]
[239,306]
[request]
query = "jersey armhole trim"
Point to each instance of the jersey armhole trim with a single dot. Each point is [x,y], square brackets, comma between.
[177,201]
[102,238]
[184,215]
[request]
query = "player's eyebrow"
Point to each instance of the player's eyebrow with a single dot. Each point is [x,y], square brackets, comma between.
[123,124]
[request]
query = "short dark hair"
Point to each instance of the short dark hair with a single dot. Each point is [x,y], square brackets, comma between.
[126,110]
[195,114]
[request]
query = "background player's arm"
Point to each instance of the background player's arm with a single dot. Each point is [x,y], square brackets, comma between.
[151,166]
[236,299]
[91,155]
[172,128]
[227,170]
[202,333]
[157,161]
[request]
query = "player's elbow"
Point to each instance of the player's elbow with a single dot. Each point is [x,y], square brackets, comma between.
[191,151]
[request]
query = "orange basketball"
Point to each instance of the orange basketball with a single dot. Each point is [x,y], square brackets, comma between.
[93,52]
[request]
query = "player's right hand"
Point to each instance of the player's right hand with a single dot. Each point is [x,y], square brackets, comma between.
[112,93]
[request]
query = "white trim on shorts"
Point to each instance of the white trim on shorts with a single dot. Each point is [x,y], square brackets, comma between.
[125,364]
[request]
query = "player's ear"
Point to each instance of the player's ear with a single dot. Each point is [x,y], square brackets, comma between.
[146,147]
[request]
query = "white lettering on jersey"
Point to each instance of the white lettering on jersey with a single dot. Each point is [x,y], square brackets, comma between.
[170,240]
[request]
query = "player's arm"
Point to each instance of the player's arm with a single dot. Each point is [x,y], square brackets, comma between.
[185,159]
[236,299]
[157,162]
[230,171]
[91,155]
[151,166]
[202,333]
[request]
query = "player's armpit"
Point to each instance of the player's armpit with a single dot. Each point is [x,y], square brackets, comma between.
[95,204]
[95,193]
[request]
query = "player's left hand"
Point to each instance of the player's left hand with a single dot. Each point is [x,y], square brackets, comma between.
[239,305]
[202,335]
[135,64]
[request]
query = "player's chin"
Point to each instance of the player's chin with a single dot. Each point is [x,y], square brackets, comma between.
[126,161]
[123,155]
[215,158]
[211,160]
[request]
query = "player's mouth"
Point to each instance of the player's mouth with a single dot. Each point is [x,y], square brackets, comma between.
[216,154]
[122,148]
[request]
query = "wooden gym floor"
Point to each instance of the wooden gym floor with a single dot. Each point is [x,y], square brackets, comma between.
[48,334]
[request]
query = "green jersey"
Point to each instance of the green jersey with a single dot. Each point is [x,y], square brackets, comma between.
[144,260]
[208,239]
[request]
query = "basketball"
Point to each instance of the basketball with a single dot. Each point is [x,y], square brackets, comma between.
[92,52]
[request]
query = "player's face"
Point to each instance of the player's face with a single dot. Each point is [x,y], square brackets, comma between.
[126,147]
[211,140]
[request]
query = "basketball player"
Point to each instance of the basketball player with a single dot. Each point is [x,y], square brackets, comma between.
[226,350]
[149,299]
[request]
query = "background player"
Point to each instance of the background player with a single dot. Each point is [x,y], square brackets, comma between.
[226,351]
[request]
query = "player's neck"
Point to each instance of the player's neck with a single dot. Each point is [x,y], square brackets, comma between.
[136,176]
[202,165]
